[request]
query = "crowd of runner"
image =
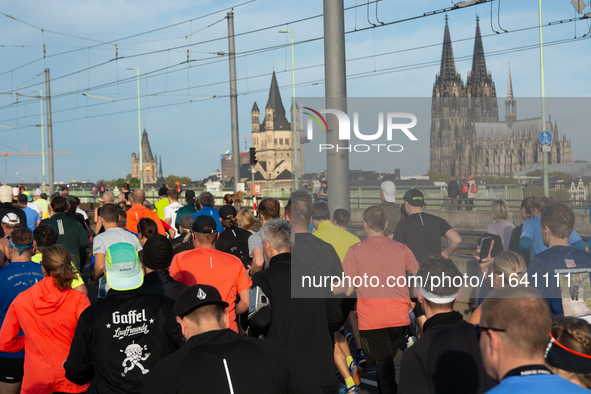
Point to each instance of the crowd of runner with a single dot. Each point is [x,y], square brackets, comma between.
[178,296]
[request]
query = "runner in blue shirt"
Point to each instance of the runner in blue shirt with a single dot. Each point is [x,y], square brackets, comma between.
[15,278]
[561,273]
[531,241]
[514,334]
[207,201]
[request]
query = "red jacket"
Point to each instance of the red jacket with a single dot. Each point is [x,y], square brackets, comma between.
[138,211]
[48,318]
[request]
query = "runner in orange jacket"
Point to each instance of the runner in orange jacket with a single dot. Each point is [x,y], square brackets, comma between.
[47,313]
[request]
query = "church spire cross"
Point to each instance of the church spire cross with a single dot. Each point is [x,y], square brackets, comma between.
[448,66]
[478,61]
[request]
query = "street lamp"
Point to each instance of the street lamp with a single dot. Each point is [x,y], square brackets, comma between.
[42,137]
[98,97]
[543,97]
[293,114]
[202,98]
[139,124]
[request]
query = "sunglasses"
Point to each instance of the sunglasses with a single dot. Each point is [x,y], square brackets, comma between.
[479,329]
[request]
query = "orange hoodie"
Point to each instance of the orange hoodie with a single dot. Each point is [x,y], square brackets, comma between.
[48,318]
[138,211]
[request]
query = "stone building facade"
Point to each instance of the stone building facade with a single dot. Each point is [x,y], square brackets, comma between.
[466,134]
[150,163]
[273,140]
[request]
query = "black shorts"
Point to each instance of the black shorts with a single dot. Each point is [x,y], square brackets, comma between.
[382,343]
[11,369]
[346,304]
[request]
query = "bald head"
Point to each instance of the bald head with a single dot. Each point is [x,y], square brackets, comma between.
[523,314]
[138,196]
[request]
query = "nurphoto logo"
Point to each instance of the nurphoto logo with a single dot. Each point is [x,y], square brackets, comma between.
[345,130]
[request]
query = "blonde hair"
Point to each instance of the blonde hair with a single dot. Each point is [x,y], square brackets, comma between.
[57,263]
[245,219]
[500,210]
[509,263]
[575,334]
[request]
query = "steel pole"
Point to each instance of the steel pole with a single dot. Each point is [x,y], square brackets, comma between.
[233,102]
[294,116]
[543,96]
[336,98]
[139,124]
[49,131]
[42,138]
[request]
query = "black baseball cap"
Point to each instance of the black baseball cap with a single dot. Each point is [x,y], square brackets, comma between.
[414,197]
[203,221]
[196,296]
[190,196]
[227,212]
[157,252]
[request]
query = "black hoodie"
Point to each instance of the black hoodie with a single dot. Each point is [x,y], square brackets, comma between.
[119,339]
[446,359]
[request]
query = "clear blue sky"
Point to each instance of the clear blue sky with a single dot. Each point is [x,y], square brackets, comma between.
[191,136]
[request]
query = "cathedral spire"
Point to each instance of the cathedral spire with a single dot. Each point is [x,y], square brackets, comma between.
[478,62]
[509,86]
[510,103]
[160,163]
[448,65]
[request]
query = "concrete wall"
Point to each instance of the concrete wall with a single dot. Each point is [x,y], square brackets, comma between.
[475,220]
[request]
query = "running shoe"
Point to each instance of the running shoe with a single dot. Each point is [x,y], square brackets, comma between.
[348,335]
[356,372]
[361,359]
[348,390]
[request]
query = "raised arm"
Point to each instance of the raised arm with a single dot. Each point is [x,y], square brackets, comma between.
[454,243]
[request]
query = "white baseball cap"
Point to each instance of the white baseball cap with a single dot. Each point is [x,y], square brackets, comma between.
[15,191]
[5,193]
[11,218]
[389,190]
[37,192]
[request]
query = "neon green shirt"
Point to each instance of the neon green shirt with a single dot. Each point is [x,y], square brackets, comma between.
[75,283]
[43,204]
[160,205]
[341,240]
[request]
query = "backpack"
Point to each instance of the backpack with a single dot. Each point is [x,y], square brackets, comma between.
[236,245]
[473,189]
[464,188]
[102,189]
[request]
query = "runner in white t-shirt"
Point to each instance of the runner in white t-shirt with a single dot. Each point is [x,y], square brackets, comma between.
[171,210]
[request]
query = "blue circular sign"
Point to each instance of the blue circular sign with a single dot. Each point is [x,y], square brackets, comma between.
[545,137]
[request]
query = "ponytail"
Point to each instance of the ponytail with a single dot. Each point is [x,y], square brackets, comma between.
[230,199]
[57,263]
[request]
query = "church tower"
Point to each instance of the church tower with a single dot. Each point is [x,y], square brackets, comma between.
[480,86]
[448,112]
[149,162]
[273,138]
[510,104]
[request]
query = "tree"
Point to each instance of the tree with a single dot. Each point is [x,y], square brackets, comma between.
[500,181]
[171,179]
[537,172]
[562,175]
[434,176]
